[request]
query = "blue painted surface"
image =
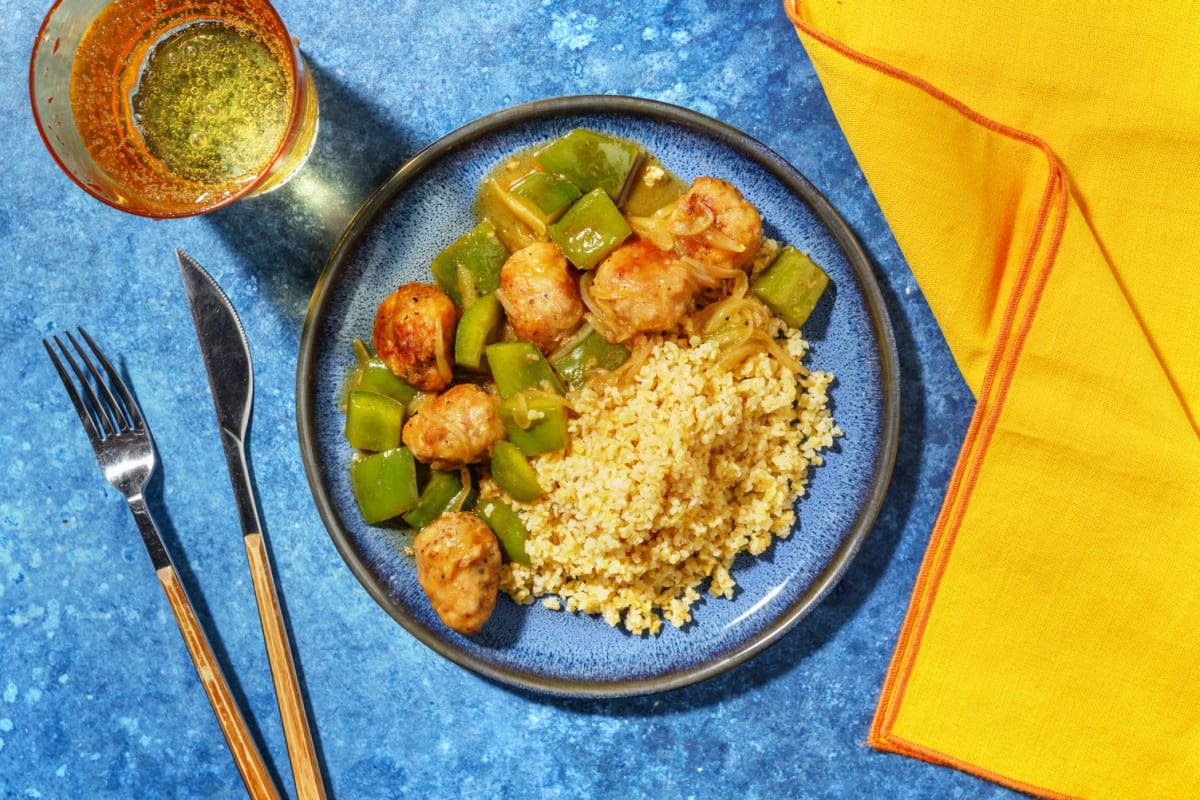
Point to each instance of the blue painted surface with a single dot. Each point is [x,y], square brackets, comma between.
[97,695]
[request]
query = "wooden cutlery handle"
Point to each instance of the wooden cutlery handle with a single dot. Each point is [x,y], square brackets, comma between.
[306,771]
[245,752]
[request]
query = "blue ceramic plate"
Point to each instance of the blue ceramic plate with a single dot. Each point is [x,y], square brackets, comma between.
[424,207]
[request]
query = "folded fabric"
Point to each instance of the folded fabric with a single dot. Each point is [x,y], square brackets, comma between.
[1039,165]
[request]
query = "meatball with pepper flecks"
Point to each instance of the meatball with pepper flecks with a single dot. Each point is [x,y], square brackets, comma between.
[458,566]
[414,335]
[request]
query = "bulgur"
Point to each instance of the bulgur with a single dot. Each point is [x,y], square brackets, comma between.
[669,475]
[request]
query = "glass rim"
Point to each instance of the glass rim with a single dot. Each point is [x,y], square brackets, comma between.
[297,68]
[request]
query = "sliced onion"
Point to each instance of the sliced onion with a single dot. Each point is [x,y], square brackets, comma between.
[697,224]
[733,356]
[581,333]
[639,352]
[518,208]
[611,327]
[657,227]
[733,334]
[520,405]
[722,241]
[653,231]
[468,291]
[707,319]
[708,275]
[520,411]
[505,303]
[781,355]
[460,499]
[548,397]
[741,285]
[739,324]
[361,354]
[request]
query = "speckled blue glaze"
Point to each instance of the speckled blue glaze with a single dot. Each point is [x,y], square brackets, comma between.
[427,205]
[97,696]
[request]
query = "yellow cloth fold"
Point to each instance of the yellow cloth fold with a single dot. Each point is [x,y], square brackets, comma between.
[1039,165]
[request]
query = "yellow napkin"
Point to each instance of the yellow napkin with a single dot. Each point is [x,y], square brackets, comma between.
[1039,164]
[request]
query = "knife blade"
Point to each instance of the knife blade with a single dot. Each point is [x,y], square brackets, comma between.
[226,356]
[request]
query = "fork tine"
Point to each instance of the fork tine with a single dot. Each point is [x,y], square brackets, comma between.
[92,400]
[132,410]
[81,409]
[106,402]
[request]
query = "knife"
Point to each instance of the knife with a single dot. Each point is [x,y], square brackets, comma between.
[231,380]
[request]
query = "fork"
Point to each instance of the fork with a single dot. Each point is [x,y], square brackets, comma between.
[125,451]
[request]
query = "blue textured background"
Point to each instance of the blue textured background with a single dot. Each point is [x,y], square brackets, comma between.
[97,695]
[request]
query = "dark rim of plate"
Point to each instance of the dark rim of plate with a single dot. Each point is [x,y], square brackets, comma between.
[762,156]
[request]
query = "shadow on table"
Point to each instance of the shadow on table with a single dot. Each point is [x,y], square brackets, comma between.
[844,600]
[286,235]
[154,497]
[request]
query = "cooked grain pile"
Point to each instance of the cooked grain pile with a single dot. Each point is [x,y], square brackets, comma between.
[670,474]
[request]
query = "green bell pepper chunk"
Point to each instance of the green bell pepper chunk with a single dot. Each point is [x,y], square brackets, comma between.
[591,353]
[513,473]
[480,326]
[373,375]
[384,484]
[592,160]
[590,229]
[508,527]
[519,366]
[791,286]
[545,194]
[536,422]
[373,421]
[443,492]
[475,257]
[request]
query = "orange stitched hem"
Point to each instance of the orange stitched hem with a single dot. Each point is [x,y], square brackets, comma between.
[996,382]
[905,747]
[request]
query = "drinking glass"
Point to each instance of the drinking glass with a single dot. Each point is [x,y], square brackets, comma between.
[171,108]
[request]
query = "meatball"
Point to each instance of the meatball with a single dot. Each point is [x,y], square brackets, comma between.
[455,428]
[645,288]
[458,566]
[716,226]
[541,295]
[414,335]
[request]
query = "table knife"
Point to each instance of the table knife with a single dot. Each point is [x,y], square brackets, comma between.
[226,357]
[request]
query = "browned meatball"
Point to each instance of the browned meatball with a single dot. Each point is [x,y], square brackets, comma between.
[458,566]
[716,226]
[648,290]
[455,428]
[413,325]
[541,294]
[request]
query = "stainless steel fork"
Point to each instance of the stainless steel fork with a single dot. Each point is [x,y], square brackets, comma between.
[125,451]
